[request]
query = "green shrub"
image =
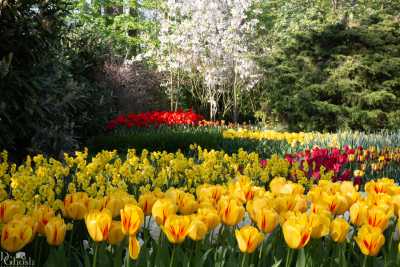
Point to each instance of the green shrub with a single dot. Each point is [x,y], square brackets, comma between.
[329,73]
[48,103]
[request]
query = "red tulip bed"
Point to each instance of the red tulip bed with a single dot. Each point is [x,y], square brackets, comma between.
[155,119]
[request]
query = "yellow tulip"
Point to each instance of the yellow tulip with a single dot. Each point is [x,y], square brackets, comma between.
[280,185]
[162,209]
[116,235]
[396,204]
[285,203]
[197,229]
[339,229]
[76,205]
[210,193]
[248,238]
[209,216]
[95,204]
[258,203]
[42,215]
[231,211]
[348,190]
[336,204]
[187,204]
[320,224]
[146,202]
[98,224]
[9,208]
[297,231]
[358,213]
[370,240]
[267,219]
[55,231]
[276,184]
[26,220]
[176,228]
[134,247]
[114,203]
[377,217]
[15,235]
[381,186]
[132,218]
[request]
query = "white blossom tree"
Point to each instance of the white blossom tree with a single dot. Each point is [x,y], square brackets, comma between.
[209,42]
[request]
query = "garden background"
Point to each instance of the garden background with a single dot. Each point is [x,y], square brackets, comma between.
[200,132]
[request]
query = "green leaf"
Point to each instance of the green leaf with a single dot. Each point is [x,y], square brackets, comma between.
[56,257]
[277,263]
[301,259]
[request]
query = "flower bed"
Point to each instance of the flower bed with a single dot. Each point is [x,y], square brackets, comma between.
[155,119]
[208,209]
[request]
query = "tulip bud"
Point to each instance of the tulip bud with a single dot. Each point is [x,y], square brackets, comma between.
[76,205]
[55,231]
[42,215]
[15,236]
[98,224]
[248,238]
[339,229]
[267,219]
[9,208]
[230,211]
[209,216]
[197,229]
[132,218]
[146,202]
[297,231]
[176,228]
[162,209]
[370,240]
[116,235]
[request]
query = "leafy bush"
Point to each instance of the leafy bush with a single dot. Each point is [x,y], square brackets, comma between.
[336,73]
[47,103]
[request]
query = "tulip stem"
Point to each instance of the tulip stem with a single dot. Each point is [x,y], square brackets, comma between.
[289,257]
[128,260]
[171,263]
[70,240]
[365,261]
[260,254]
[95,254]
[243,260]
